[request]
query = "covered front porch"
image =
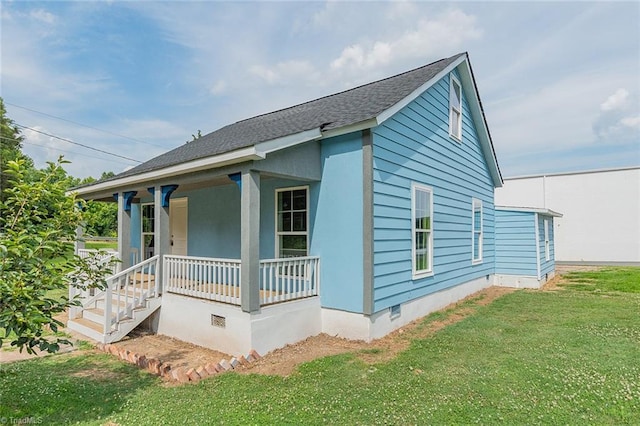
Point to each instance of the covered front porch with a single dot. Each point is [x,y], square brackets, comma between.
[234,239]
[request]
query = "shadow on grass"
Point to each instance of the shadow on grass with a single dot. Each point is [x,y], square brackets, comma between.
[624,280]
[68,388]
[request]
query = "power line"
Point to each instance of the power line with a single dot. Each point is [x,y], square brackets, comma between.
[75,153]
[77,143]
[83,125]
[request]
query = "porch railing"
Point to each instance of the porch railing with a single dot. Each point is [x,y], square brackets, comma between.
[281,280]
[288,279]
[102,256]
[128,290]
[203,277]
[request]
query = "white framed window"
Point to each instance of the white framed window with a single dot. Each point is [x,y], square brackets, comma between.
[421,230]
[476,230]
[292,217]
[455,108]
[148,230]
[547,251]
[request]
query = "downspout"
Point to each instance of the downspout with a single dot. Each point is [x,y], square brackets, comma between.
[537,238]
[544,191]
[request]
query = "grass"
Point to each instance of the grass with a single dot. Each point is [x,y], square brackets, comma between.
[626,280]
[565,357]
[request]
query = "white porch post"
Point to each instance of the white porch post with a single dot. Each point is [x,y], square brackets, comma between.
[162,231]
[79,243]
[250,241]
[124,232]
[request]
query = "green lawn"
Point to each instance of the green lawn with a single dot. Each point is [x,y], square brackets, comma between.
[564,357]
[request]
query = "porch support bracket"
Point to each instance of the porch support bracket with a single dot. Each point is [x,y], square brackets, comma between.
[237,178]
[128,199]
[250,242]
[167,190]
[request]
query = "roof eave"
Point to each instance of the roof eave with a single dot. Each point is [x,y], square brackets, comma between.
[543,211]
[234,157]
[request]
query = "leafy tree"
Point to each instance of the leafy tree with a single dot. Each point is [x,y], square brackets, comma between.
[10,147]
[37,231]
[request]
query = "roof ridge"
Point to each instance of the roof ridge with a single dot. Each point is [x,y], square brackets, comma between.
[348,90]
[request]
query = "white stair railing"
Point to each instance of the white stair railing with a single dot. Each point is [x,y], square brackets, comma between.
[289,278]
[128,290]
[101,258]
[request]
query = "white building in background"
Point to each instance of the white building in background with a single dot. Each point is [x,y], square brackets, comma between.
[601,212]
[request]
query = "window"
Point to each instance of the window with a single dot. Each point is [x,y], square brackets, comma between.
[476,227]
[422,230]
[547,252]
[148,228]
[291,222]
[455,108]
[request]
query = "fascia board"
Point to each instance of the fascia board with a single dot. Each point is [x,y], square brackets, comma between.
[239,156]
[546,212]
[362,125]
[389,112]
[479,119]
[264,148]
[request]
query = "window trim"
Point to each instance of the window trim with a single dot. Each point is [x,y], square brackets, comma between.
[279,233]
[453,79]
[415,274]
[547,248]
[474,204]
[143,233]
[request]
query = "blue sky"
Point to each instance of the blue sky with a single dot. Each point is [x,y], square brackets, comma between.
[559,81]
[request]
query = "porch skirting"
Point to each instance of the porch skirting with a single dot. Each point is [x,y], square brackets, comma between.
[228,329]
[364,327]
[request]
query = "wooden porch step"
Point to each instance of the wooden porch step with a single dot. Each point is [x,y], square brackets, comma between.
[99,328]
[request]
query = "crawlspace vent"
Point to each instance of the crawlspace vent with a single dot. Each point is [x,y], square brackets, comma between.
[218,321]
[395,311]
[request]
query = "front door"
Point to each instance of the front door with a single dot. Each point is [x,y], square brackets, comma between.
[178,225]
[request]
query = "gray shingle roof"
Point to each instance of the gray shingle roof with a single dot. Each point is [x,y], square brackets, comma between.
[330,112]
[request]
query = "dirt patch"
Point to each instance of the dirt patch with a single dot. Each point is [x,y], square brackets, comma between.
[284,361]
[172,351]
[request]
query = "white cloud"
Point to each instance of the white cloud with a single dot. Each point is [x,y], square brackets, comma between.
[633,122]
[218,88]
[285,72]
[616,101]
[43,16]
[441,35]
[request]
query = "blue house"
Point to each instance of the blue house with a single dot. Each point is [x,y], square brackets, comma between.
[352,214]
[525,255]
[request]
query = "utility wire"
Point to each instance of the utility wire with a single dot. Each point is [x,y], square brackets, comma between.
[78,143]
[73,152]
[83,125]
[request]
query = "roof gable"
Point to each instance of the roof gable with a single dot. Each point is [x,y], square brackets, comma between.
[358,108]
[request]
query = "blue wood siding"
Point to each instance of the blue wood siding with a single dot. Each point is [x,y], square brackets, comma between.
[546,266]
[214,219]
[337,224]
[516,243]
[414,146]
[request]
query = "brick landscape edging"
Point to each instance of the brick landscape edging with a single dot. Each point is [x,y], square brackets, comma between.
[178,374]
